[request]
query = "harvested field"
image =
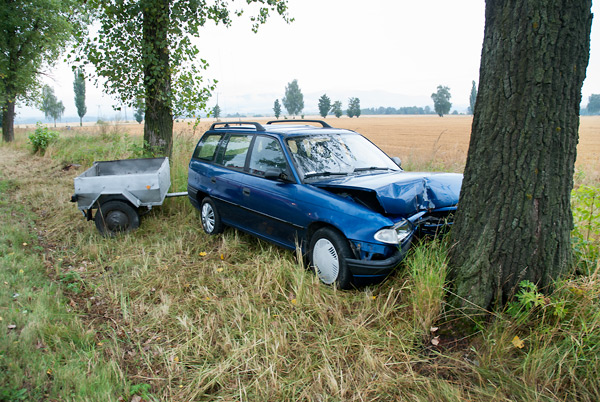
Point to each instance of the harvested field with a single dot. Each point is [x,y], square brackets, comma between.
[445,140]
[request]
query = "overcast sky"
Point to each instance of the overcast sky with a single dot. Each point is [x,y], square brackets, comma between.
[385,52]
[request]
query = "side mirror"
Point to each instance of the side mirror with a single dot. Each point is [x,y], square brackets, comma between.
[275,174]
[397,161]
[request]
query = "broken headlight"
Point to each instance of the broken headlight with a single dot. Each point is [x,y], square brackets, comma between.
[396,234]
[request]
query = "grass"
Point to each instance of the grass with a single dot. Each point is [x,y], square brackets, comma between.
[46,351]
[168,313]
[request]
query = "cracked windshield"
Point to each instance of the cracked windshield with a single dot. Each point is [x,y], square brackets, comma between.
[337,154]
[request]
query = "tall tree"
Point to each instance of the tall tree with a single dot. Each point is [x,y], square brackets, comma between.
[514,219]
[50,105]
[441,100]
[277,108]
[472,98]
[32,35]
[324,105]
[353,107]
[138,111]
[79,89]
[216,111]
[336,109]
[144,49]
[293,101]
[593,106]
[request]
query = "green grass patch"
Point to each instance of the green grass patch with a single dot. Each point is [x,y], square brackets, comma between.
[46,352]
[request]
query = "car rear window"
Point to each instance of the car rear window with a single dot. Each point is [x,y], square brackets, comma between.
[236,151]
[207,146]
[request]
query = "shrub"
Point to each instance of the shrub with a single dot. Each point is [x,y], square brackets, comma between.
[586,231]
[41,138]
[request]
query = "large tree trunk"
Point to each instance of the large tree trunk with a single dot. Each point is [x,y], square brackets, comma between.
[8,121]
[514,219]
[158,127]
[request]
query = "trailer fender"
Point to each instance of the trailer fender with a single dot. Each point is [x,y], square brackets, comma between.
[123,196]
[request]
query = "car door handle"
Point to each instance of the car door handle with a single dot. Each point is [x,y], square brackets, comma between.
[213,179]
[246,191]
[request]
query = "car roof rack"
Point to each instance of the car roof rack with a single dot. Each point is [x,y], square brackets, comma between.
[228,124]
[321,122]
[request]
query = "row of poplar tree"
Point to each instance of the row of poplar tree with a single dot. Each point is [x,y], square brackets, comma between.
[293,101]
[54,108]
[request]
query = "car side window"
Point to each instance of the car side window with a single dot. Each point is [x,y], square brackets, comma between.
[235,152]
[207,147]
[266,153]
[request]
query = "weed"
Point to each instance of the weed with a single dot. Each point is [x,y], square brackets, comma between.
[73,282]
[426,266]
[13,395]
[530,300]
[41,138]
[142,390]
[586,232]
[140,150]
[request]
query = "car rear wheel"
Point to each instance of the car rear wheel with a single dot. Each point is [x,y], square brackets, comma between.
[211,220]
[328,253]
[115,217]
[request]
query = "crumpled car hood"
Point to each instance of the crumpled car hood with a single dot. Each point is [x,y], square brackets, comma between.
[403,193]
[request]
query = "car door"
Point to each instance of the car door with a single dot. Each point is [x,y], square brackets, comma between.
[202,166]
[227,178]
[271,204]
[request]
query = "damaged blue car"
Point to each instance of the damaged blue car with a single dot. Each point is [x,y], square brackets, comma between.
[349,207]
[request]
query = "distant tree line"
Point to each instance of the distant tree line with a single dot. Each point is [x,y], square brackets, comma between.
[401,110]
[593,106]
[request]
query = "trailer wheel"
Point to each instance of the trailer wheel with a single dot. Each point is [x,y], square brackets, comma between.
[115,217]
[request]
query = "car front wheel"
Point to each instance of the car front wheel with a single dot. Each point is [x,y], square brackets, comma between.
[328,253]
[211,220]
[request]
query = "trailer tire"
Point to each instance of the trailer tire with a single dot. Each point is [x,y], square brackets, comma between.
[114,217]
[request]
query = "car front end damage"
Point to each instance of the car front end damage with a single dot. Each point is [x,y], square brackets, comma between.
[376,260]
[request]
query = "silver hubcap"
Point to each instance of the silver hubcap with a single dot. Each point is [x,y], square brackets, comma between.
[326,261]
[208,217]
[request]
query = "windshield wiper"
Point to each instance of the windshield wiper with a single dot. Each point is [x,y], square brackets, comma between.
[364,169]
[315,174]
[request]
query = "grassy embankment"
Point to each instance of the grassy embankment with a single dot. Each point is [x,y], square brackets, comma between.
[168,313]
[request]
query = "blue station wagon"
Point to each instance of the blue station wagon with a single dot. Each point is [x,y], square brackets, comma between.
[348,206]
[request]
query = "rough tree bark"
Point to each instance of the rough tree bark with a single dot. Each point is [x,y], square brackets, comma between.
[8,120]
[158,127]
[514,218]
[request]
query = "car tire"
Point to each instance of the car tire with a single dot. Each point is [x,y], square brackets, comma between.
[114,217]
[328,253]
[211,219]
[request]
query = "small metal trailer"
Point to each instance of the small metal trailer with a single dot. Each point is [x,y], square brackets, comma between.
[120,189]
